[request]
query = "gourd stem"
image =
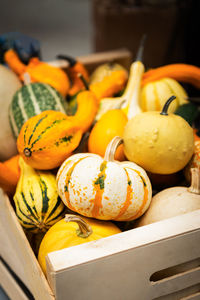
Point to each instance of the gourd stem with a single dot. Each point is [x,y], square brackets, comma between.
[27,78]
[84,81]
[27,152]
[72,61]
[195,181]
[111,64]
[84,230]
[166,106]
[112,147]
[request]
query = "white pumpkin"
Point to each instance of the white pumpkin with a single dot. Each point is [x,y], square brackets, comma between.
[103,188]
[9,84]
[173,201]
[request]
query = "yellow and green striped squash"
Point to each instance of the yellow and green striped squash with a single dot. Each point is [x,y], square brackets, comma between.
[155,94]
[102,188]
[38,205]
[31,100]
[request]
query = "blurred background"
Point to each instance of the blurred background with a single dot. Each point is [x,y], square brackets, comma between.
[78,27]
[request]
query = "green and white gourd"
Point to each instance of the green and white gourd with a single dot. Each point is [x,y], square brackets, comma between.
[31,100]
[37,203]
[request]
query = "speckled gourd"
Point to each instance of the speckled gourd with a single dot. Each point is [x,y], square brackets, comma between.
[160,143]
[103,188]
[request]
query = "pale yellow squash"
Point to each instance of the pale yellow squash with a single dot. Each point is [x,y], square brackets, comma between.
[160,143]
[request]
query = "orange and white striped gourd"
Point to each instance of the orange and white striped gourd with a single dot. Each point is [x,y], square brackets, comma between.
[103,188]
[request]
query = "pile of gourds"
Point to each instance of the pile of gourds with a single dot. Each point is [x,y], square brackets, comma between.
[85,150]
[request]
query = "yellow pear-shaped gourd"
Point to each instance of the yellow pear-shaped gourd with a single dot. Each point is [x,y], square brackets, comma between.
[38,205]
[160,143]
[71,231]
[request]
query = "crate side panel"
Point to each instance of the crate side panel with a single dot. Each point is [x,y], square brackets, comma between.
[17,244]
[8,283]
[126,275]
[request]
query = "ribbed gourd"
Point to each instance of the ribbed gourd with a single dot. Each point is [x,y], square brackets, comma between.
[155,94]
[38,205]
[103,188]
[31,100]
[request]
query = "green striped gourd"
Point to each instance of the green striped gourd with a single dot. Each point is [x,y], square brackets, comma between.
[38,205]
[31,100]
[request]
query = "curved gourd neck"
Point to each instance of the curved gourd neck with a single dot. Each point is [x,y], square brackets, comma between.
[84,230]
[112,148]
[195,181]
[130,87]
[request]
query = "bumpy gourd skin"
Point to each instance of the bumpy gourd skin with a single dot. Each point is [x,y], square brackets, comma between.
[160,144]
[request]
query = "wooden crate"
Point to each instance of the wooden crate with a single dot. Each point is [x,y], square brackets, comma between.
[160,261]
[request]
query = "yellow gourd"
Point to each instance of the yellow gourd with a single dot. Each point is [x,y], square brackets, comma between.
[37,203]
[155,94]
[111,124]
[73,230]
[159,142]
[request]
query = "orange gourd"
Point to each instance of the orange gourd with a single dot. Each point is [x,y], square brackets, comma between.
[111,124]
[86,111]
[110,85]
[47,139]
[180,72]
[9,174]
[39,72]
[75,68]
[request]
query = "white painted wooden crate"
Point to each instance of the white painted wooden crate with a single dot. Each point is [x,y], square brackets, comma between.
[160,261]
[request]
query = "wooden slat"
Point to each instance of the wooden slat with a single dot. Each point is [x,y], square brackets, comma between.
[124,263]
[195,296]
[177,282]
[8,283]
[14,242]
[122,56]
